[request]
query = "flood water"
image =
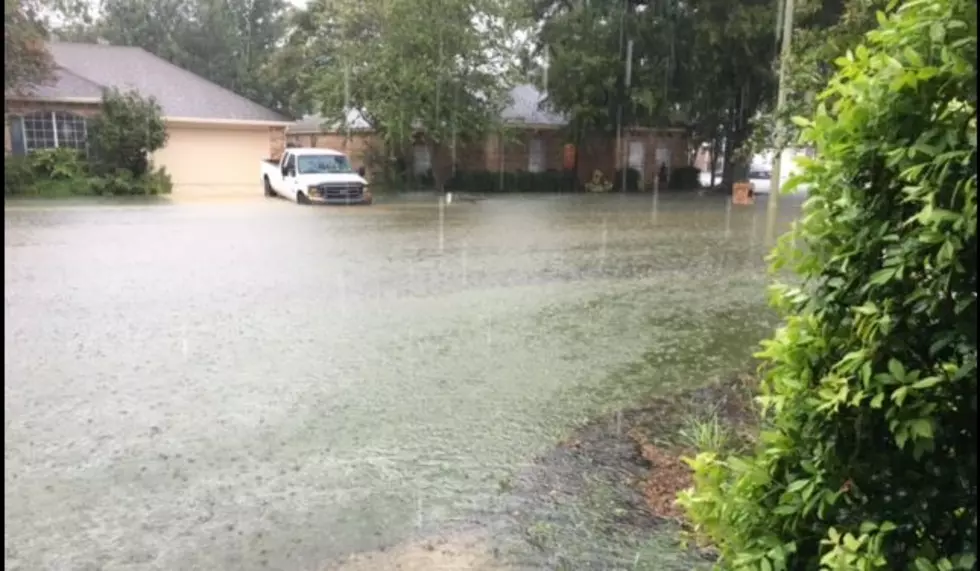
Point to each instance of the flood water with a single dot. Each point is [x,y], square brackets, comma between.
[255,384]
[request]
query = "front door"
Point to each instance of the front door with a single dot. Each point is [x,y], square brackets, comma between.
[635,158]
[662,168]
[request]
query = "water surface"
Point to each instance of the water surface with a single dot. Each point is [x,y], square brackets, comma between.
[254,384]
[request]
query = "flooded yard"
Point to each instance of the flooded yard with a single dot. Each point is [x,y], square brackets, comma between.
[260,385]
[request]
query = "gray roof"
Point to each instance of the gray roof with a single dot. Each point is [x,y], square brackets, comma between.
[179,92]
[526,106]
[317,124]
[66,84]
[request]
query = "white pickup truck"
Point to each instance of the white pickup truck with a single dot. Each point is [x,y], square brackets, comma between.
[306,176]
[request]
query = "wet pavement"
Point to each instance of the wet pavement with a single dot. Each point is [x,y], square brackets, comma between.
[254,385]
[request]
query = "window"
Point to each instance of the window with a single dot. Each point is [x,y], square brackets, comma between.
[52,129]
[323,164]
[535,156]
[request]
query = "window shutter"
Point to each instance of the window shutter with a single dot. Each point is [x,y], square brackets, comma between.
[16,126]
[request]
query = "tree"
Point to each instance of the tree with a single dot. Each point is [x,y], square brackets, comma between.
[436,69]
[706,64]
[868,459]
[26,62]
[824,31]
[228,42]
[127,130]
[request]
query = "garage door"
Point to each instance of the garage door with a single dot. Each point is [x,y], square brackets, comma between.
[214,161]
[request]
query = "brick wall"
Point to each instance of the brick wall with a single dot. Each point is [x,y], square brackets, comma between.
[362,148]
[277,142]
[512,151]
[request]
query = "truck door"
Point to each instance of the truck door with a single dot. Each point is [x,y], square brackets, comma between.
[286,168]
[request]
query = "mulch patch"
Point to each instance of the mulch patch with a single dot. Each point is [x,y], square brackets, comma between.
[655,428]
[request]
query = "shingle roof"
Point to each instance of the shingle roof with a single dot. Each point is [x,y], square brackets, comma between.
[66,84]
[317,124]
[179,92]
[525,107]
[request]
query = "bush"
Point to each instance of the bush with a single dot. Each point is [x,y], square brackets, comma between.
[522,181]
[62,163]
[17,176]
[870,457]
[47,172]
[123,183]
[632,180]
[685,178]
[126,131]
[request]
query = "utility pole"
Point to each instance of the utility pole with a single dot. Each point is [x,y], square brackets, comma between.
[619,110]
[629,72]
[776,173]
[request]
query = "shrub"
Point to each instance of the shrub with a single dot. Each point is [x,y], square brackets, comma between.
[632,180]
[685,178]
[17,176]
[62,163]
[488,181]
[870,459]
[126,131]
[123,183]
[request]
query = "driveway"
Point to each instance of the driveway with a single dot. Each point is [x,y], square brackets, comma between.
[257,385]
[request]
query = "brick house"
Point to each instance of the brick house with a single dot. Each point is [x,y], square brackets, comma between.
[533,140]
[216,138]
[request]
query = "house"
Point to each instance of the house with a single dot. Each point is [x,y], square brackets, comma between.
[216,138]
[534,140]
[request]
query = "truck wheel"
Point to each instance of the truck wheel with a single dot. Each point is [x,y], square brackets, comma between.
[302,198]
[267,187]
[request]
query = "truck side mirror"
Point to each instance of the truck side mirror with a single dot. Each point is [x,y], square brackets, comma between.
[361,171]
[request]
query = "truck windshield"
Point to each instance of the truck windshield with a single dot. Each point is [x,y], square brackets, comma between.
[323,164]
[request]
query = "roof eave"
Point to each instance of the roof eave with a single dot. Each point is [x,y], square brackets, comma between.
[40,99]
[229,122]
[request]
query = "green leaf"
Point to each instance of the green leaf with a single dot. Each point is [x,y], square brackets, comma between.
[898,396]
[922,427]
[896,369]
[802,122]
[926,383]
[797,485]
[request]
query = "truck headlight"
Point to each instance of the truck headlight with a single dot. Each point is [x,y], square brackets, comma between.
[313,191]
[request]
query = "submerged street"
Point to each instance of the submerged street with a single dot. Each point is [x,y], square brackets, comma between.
[254,384]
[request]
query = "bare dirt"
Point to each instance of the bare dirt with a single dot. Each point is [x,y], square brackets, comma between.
[464,551]
[604,498]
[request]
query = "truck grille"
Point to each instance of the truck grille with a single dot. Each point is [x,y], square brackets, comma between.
[341,190]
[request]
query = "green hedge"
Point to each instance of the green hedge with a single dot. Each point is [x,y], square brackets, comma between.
[632,180]
[488,181]
[684,178]
[65,172]
[868,458]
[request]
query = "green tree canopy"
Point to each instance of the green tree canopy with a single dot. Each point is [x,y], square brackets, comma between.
[26,62]
[433,67]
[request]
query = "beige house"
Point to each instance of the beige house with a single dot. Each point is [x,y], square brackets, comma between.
[216,138]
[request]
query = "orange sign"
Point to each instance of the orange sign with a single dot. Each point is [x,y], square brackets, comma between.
[568,158]
[742,193]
